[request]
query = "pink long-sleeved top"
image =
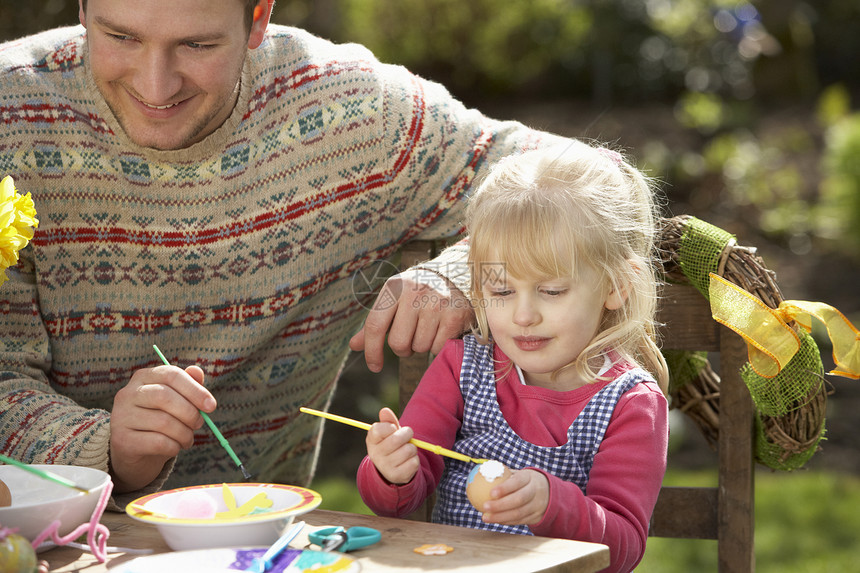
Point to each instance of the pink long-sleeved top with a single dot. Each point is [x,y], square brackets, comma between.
[625,478]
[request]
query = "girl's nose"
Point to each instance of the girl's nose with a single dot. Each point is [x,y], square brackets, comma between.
[525,312]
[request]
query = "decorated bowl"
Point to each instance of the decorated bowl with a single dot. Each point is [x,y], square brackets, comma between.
[223,515]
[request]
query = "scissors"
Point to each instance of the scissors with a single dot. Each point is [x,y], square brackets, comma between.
[343,539]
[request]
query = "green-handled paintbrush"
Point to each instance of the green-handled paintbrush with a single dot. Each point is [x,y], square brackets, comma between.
[50,476]
[221,439]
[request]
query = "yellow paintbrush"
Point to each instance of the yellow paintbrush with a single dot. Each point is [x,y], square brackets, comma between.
[419,443]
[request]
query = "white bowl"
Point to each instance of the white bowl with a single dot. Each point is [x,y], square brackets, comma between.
[258,529]
[37,502]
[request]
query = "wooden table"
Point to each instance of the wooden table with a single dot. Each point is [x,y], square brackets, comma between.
[474,550]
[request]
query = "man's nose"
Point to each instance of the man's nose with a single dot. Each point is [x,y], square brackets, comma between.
[158,78]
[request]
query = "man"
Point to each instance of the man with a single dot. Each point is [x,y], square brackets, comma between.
[211,184]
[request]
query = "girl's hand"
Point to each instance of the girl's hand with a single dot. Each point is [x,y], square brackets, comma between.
[389,449]
[522,499]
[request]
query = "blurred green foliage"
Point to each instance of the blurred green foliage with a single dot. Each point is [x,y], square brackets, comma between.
[839,212]
[725,66]
[482,44]
[609,50]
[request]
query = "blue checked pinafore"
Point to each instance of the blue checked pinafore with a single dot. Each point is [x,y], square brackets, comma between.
[486,434]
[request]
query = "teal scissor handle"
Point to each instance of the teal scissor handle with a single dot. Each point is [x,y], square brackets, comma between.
[344,539]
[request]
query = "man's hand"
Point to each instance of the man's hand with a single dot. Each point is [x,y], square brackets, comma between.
[154,417]
[419,310]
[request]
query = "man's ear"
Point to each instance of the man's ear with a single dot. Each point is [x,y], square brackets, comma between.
[262,14]
[81,16]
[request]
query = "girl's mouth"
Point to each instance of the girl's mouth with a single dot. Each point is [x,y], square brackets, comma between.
[530,343]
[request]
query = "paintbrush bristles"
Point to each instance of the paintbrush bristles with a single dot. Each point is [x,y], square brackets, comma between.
[245,473]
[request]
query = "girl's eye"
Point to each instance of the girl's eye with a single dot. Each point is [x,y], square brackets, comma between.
[554,292]
[500,292]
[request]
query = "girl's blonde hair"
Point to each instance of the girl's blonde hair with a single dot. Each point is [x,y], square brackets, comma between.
[547,213]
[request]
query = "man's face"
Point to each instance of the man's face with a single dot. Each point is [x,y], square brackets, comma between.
[169,69]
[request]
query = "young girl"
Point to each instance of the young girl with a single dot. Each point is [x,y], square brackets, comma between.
[558,380]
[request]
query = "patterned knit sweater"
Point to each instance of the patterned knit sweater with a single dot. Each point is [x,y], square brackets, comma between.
[238,254]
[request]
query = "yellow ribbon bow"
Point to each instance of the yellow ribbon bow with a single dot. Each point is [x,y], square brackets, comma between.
[771,342]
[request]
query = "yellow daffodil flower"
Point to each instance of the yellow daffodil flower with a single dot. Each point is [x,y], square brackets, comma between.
[17,222]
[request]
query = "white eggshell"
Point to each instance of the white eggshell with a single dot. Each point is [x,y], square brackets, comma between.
[482,479]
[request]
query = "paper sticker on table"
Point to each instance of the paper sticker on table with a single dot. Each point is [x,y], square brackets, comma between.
[434,549]
[222,560]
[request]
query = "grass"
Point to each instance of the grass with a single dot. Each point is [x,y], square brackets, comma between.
[806,522]
[339,494]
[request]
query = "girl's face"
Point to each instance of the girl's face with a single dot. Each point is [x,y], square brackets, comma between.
[544,324]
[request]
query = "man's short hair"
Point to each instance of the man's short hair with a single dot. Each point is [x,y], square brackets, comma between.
[249,11]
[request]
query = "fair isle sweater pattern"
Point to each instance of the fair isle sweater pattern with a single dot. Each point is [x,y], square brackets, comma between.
[236,254]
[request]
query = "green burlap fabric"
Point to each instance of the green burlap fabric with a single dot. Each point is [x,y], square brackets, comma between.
[700,250]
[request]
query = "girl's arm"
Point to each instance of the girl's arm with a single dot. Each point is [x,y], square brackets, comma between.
[434,413]
[623,484]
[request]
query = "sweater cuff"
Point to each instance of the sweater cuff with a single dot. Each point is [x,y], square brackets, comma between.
[452,264]
[383,497]
[93,449]
[119,501]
